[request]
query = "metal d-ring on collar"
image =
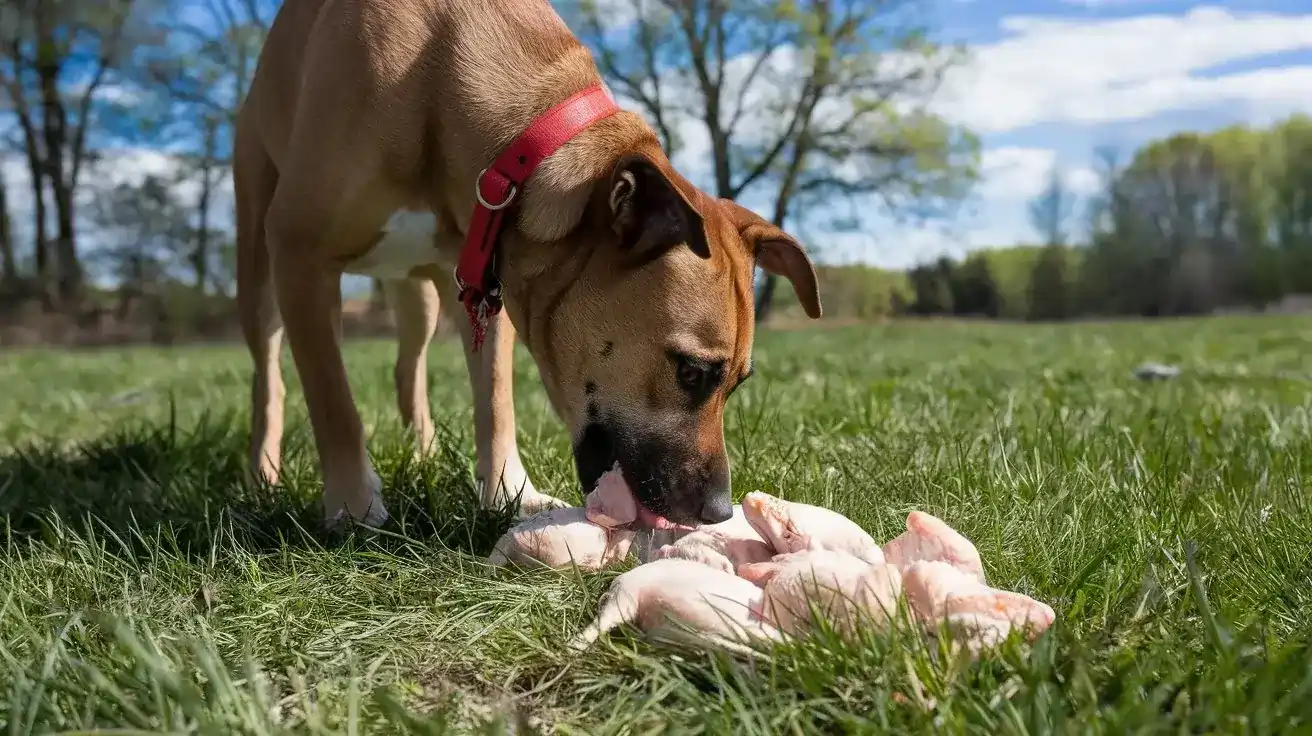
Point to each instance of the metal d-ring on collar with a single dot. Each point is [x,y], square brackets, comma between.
[493,292]
[478,193]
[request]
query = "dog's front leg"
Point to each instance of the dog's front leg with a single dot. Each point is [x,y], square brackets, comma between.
[501,475]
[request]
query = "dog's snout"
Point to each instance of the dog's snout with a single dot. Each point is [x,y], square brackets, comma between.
[717,508]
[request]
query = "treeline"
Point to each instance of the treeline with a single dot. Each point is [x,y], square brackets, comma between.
[1192,224]
[118,116]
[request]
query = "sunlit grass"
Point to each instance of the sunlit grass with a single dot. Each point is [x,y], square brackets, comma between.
[144,586]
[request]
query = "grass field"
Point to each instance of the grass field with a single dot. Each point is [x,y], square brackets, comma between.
[144,587]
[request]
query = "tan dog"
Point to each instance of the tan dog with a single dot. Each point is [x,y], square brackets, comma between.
[366,127]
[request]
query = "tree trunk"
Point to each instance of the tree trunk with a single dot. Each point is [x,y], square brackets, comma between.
[765,298]
[54,124]
[41,241]
[70,270]
[200,258]
[37,177]
[8,262]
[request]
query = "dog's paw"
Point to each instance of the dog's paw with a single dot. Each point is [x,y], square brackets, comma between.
[364,507]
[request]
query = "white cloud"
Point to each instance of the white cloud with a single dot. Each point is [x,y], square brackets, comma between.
[112,168]
[1107,3]
[1075,70]
[1090,72]
[1055,70]
[1014,173]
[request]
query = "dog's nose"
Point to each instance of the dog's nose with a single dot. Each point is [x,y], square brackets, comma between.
[716,509]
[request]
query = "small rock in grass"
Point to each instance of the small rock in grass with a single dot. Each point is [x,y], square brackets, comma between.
[1156,372]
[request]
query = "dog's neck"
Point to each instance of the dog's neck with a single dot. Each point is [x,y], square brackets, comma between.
[560,191]
[496,108]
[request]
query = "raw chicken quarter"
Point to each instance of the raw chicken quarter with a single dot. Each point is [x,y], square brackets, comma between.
[929,539]
[683,600]
[591,538]
[561,538]
[790,526]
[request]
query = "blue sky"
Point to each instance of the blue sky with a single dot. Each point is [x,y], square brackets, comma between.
[1051,80]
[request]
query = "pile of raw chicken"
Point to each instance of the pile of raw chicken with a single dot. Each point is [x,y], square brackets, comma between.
[776,568]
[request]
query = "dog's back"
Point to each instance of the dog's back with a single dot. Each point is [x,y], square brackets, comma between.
[468,72]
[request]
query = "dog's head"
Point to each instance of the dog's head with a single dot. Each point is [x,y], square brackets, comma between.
[643,330]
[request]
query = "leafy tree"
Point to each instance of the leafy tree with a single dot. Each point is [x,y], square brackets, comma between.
[1290,162]
[1051,211]
[1171,243]
[1048,296]
[931,285]
[145,232]
[1243,158]
[802,104]
[974,292]
[198,71]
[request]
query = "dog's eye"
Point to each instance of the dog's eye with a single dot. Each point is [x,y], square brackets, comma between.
[692,376]
[696,377]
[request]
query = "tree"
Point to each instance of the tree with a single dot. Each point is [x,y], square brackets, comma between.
[1179,206]
[974,292]
[1048,295]
[57,55]
[1250,177]
[198,70]
[145,234]
[1289,162]
[1112,260]
[8,258]
[931,287]
[1051,211]
[800,103]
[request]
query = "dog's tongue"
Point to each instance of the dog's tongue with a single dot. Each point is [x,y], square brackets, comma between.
[651,520]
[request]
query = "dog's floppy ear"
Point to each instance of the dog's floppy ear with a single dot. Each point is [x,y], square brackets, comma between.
[778,253]
[650,213]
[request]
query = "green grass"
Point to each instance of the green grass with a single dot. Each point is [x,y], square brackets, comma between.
[144,587]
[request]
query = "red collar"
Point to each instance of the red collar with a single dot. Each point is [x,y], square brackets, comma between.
[500,185]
